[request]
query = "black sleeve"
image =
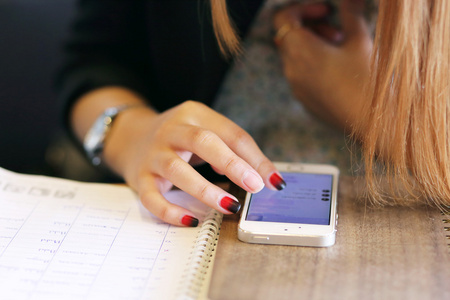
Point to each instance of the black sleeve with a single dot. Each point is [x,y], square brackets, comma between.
[164,50]
[107,46]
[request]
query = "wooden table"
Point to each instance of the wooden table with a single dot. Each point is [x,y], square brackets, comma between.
[384,253]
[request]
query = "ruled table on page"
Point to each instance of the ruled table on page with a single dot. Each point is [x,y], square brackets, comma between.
[66,240]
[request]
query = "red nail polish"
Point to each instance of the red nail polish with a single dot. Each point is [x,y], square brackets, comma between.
[277,181]
[230,204]
[189,221]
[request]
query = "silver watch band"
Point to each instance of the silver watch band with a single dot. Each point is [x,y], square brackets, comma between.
[94,140]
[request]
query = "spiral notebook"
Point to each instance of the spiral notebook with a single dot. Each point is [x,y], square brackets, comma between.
[61,239]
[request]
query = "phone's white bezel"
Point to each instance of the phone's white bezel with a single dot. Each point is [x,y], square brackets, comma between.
[293,233]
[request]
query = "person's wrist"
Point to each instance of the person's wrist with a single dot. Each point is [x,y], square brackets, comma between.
[129,129]
[97,134]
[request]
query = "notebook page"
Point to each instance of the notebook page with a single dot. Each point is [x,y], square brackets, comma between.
[62,239]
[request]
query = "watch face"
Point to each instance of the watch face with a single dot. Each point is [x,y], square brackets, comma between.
[93,142]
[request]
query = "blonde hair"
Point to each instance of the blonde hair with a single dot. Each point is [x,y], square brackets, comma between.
[224,29]
[405,123]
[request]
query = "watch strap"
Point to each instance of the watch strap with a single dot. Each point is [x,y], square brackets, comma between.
[94,140]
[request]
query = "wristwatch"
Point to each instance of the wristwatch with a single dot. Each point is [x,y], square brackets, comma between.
[95,138]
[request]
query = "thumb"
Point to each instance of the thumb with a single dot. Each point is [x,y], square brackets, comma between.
[354,26]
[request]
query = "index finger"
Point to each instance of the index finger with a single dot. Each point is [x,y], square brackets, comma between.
[244,146]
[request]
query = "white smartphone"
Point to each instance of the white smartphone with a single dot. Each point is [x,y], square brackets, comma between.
[304,213]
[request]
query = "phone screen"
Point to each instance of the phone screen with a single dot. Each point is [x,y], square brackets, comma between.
[306,199]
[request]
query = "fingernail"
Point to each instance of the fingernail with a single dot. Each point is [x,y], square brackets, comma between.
[189,221]
[253,181]
[230,204]
[278,182]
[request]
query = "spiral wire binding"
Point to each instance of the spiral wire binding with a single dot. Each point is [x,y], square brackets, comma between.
[202,253]
[446,221]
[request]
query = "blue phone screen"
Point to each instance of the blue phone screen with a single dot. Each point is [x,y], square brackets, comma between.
[306,200]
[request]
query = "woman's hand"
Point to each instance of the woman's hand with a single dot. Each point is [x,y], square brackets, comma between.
[152,152]
[327,68]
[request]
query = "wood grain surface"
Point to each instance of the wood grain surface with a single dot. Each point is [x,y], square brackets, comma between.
[383,253]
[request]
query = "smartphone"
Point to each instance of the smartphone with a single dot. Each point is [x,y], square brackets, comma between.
[304,213]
